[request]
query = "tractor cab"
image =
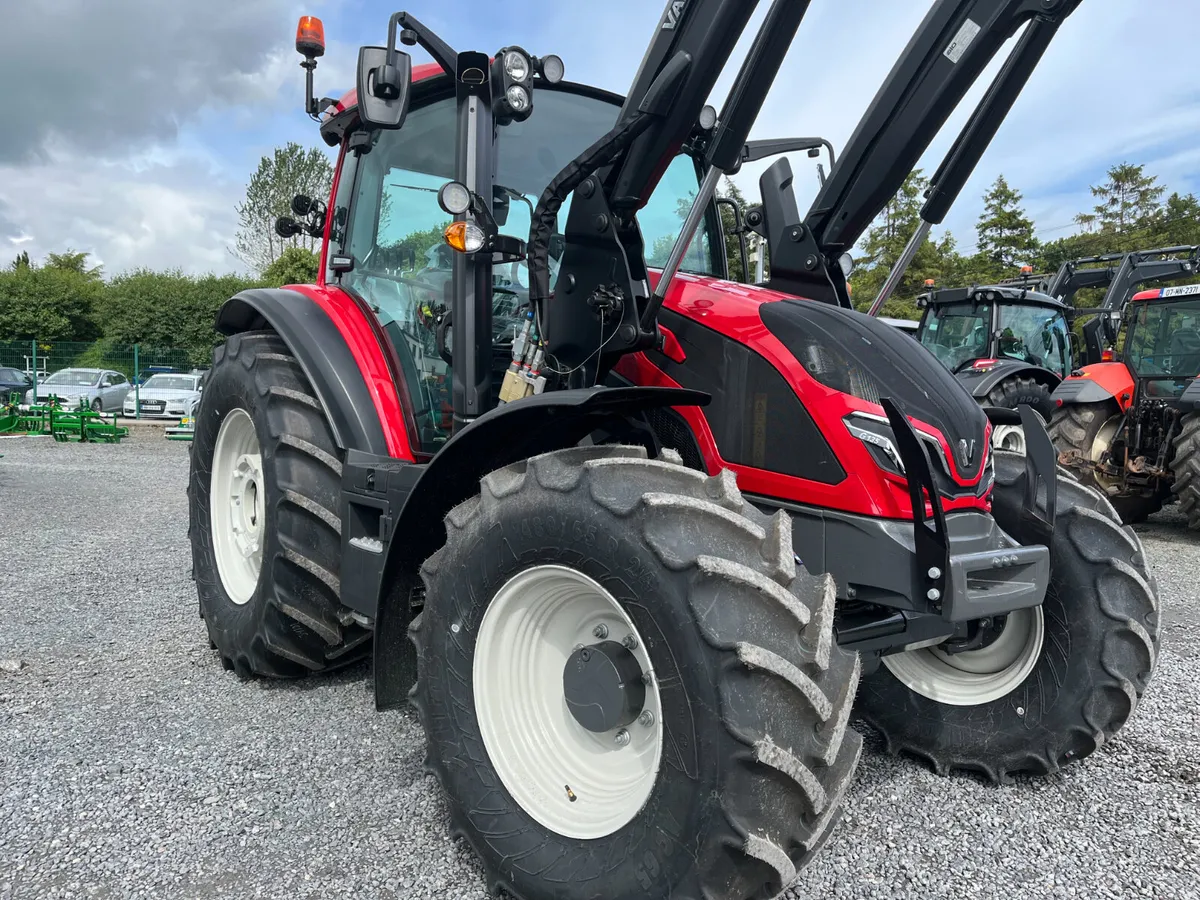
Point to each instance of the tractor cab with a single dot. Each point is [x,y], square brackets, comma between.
[977,328]
[394,246]
[1162,343]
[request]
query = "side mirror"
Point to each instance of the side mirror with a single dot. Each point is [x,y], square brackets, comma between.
[383,89]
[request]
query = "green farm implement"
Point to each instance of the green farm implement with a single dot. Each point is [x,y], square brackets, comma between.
[62,423]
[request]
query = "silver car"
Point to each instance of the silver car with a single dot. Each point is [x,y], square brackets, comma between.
[164,396]
[101,389]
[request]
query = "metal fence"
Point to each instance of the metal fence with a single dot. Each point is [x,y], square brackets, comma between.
[136,363]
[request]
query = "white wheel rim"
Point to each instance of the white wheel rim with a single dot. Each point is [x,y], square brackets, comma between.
[542,755]
[1100,446]
[976,676]
[236,500]
[1010,438]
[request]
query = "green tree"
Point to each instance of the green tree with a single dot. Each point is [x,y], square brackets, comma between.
[48,304]
[1128,208]
[1178,222]
[21,262]
[74,261]
[1004,232]
[885,241]
[168,309]
[296,265]
[289,171]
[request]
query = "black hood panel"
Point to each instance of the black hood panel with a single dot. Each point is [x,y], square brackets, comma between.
[859,355]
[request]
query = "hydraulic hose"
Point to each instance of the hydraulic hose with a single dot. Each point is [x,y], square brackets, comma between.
[541,226]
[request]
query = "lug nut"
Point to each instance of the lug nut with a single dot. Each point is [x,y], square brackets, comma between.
[934,594]
[622,738]
[935,573]
[630,642]
[600,631]
[646,719]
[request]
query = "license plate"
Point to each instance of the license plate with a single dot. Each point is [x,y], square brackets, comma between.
[152,406]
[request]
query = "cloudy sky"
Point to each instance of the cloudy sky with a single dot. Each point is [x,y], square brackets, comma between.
[134,124]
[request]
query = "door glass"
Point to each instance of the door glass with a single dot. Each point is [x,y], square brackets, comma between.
[1033,334]
[957,333]
[662,218]
[402,266]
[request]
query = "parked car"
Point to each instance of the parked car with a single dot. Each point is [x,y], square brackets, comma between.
[150,371]
[163,396]
[101,389]
[13,380]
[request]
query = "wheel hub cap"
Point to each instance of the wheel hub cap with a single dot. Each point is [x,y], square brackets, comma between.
[603,686]
[237,501]
[576,742]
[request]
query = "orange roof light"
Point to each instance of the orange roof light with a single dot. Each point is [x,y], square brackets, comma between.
[1026,270]
[929,282]
[310,37]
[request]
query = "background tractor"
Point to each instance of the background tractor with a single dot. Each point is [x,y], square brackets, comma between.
[1131,427]
[635,540]
[1012,343]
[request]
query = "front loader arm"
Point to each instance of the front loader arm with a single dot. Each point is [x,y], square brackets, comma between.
[953,45]
[603,266]
[1149,265]
[945,57]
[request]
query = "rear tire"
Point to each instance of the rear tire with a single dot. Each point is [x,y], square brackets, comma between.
[1186,466]
[1100,622]
[1088,429]
[280,615]
[755,696]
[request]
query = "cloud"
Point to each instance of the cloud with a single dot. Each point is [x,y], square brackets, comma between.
[108,77]
[175,213]
[140,121]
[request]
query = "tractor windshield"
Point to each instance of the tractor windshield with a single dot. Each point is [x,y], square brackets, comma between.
[957,333]
[1036,335]
[404,269]
[1164,340]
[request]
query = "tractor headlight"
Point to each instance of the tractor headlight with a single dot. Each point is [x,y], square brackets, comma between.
[516,65]
[518,98]
[512,83]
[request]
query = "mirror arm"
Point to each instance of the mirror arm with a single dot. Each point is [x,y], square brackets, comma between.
[413,32]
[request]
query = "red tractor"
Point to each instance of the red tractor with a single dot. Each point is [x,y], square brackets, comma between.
[1131,427]
[636,540]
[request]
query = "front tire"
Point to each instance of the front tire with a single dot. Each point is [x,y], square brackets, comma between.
[1099,630]
[97,405]
[751,693]
[263,497]
[1019,391]
[1089,430]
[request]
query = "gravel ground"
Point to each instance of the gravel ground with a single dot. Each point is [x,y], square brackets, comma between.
[132,765]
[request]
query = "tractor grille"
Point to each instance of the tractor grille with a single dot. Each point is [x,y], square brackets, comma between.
[861,356]
[673,433]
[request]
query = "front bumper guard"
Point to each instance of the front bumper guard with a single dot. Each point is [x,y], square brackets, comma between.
[993,580]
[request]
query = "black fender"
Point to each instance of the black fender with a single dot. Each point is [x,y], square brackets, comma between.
[1081,390]
[323,355]
[981,382]
[502,436]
